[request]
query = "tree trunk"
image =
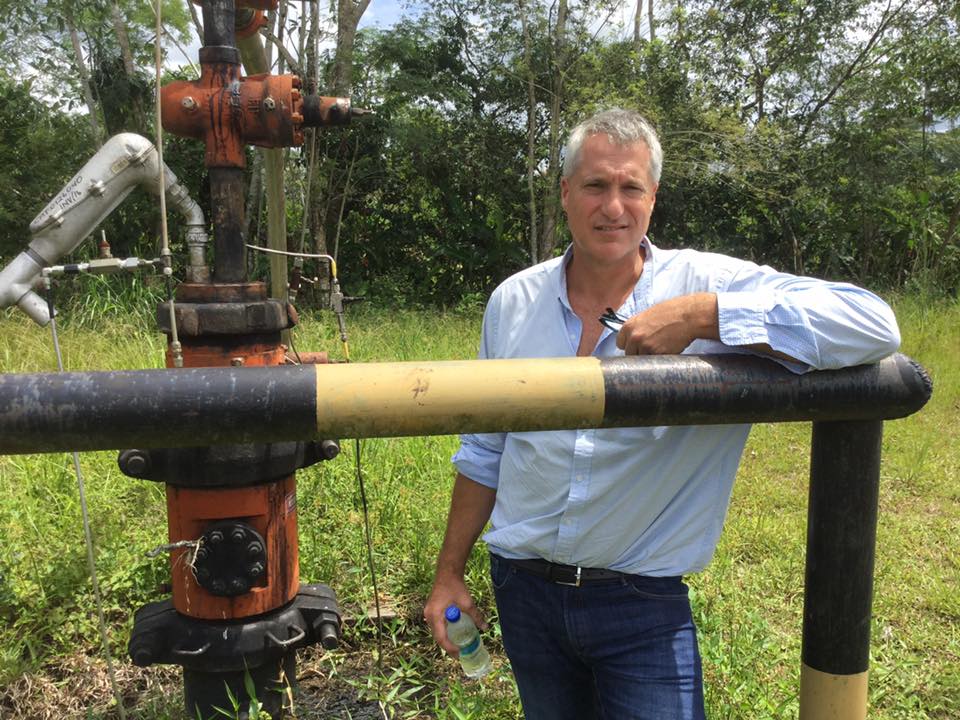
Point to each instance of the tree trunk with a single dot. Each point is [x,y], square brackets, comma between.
[197,24]
[636,23]
[92,109]
[129,69]
[551,206]
[254,60]
[531,134]
[349,13]
[650,18]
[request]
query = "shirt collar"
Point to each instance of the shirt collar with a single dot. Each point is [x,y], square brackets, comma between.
[637,300]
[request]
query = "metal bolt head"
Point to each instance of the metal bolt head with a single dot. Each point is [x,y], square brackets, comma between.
[203,554]
[189,103]
[134,463]
[239,585]
[238,535]
[255,570]
[203,574]
[269,103]
[254,550]
[236,362]
[216,537]
[329,449]
[218,586]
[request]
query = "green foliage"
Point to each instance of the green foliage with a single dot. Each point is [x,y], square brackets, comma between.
[748,603]
[39,151]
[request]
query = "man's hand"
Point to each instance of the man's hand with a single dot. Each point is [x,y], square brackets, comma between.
[449,590]
[470,508]
[669,327]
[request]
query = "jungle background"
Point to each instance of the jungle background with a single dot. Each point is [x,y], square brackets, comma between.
[818,137]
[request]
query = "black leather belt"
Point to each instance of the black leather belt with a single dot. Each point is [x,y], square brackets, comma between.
[564,574]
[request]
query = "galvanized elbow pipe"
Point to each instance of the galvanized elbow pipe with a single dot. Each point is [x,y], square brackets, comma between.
[125,161]
[210,406]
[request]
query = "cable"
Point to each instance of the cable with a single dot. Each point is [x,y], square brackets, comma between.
[336,297]
[370,564]
[176,351]
[87,534]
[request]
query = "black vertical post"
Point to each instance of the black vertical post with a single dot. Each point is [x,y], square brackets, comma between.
[227,187]
[227,197]
[841,537]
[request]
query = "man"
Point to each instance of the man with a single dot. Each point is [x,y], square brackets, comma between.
[592,530]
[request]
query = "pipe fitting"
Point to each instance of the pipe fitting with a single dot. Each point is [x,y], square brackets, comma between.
[125,161]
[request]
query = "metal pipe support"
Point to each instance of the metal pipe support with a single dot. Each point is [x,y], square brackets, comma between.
[210,406]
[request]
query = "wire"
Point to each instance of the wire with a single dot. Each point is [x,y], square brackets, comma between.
[175,349]
[87,534]
[370,563]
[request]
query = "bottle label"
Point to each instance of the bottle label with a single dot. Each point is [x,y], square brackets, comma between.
[470,647]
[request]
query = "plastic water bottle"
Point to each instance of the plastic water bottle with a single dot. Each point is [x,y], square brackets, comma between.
[474,657]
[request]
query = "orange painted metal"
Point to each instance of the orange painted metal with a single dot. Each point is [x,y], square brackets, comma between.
[248,26]
[272,510]
[214,355]
[228,112]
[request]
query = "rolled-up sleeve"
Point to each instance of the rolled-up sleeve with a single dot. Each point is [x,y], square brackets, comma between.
[478,456]
[823,324]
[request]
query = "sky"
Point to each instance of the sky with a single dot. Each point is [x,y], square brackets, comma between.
[386,13]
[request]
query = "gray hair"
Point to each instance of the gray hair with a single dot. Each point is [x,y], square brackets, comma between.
[624,127]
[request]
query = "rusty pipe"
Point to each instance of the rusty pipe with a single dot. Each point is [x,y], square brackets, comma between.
[209,406]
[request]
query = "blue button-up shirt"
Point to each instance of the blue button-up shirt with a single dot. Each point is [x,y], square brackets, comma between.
[648,500]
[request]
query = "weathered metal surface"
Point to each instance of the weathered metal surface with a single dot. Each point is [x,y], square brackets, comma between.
[224,465]
[208,406]
[162,635]
[232,318]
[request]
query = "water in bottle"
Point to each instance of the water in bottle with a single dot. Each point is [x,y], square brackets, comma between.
[474,657]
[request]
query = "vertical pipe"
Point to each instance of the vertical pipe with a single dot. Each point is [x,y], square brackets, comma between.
[226,200]
[841,536]
[219,22]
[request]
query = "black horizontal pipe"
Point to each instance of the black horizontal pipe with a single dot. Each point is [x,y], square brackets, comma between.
[208,406]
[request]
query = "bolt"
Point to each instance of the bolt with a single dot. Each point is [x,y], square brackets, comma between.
[269,103]
[329,449]
[189,103]
[203,554]
[239,585]
[141,651]
[217,587]
[216,537]
[134,463]
[255,570]
[236,361]
[238,535]
[254,550]
[329,635]
[203,574]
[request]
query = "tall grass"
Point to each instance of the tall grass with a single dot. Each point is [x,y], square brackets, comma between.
[748,603]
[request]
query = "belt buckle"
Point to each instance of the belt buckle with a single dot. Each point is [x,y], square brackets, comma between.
[576,580]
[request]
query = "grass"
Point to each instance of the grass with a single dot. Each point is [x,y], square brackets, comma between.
[748,603]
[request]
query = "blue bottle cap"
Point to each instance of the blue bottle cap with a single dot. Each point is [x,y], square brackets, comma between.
[452,613]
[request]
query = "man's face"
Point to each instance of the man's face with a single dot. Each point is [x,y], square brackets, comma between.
[608,200]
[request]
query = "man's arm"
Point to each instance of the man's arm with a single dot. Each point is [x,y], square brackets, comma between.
[470,508]
[803,321]
[669,327]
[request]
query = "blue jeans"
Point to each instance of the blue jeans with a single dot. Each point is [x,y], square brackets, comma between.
[621,649]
